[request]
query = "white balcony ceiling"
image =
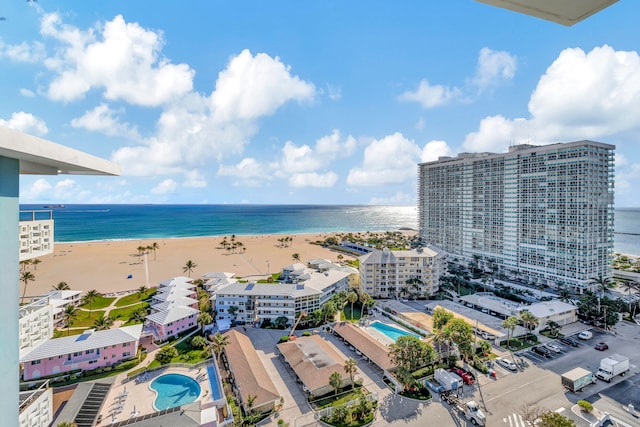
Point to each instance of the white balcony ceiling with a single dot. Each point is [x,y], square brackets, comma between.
[565,12]
[42,157]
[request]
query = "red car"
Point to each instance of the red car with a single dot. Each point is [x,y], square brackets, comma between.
[466,377]
[602,346]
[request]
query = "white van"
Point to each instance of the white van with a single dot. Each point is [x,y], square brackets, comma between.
[585,335]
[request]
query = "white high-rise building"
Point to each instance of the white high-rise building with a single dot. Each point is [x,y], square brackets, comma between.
[543,214]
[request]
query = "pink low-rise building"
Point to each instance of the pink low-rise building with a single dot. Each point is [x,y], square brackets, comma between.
[90,350]
[173,321]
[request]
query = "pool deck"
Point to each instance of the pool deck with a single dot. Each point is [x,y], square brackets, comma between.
[132,397]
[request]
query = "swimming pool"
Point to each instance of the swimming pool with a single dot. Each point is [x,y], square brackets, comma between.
[213,382]
[390,331]
[174,390]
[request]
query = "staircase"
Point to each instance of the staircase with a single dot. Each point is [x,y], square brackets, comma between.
[89,411]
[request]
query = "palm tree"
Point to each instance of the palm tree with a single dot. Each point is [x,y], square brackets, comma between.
[90,297]
[335,381]
[66,424]
[154,247]
[69,314]
[351,367]
[340,257]
[62,286]
[26,277]
[189,267]
[35,263]
[352,297]
[250,400]
[141,251]
[204,319]
[510,324]
[24,264]
[139,315]
[602,283]
[103,323]
[141,290]
[529,320]
[218,344]
[296,257]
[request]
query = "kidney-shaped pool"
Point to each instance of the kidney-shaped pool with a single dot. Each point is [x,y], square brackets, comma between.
[174,390]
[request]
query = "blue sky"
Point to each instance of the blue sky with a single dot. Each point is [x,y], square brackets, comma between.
[317,102]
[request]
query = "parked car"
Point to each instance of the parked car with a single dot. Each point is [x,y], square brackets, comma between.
[553,347]
[585,335]
[569,341]
[507,364]
[542,351]
[466,376]
[602,346]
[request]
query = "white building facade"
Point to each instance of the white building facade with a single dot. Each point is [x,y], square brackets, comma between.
[36,323]
[399,274]
[36,234]
[253,303]
[540,213]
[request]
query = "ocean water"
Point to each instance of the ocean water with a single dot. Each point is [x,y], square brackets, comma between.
[78,223]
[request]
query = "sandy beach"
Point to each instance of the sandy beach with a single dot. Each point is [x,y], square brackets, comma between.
[106,266]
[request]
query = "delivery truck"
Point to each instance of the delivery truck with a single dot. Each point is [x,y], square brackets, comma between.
[611,366]
[448,380]
[577,379]
[470,410]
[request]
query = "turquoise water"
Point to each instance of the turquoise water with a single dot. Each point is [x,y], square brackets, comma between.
[390,331]
[213,382]
[174,390]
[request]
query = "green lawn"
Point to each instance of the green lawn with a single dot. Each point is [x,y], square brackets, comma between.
[99,302]
[345,395]
[83,320]
[59,333]
[126,312]
[134,298]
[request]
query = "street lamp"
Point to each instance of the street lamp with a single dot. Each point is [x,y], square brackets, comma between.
[267,261]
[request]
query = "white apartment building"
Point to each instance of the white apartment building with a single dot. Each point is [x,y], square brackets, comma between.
[36,407]
[255,302]
[35,323]
[411,273]
[543,214]
[35,233]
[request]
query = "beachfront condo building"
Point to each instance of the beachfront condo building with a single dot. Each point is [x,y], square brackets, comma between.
[411,273]
[36,234]
[539,214]
[306,290]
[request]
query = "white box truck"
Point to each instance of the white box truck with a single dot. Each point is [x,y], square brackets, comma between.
[576,379]
[470,409]
[448,380]
[611,366]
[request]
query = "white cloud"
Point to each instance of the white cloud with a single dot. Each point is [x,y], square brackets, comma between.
[167,186]
[23,52]
[121,58]
[105,120]
[27,93]
[194,179]
[197,130]
[430,96]
[27,123]
[335,92]
[493,67]
[37,189]
[313,179]
[588,94]
[421,123]
[255,86]
[582,95]
[434,150]
[392,159]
